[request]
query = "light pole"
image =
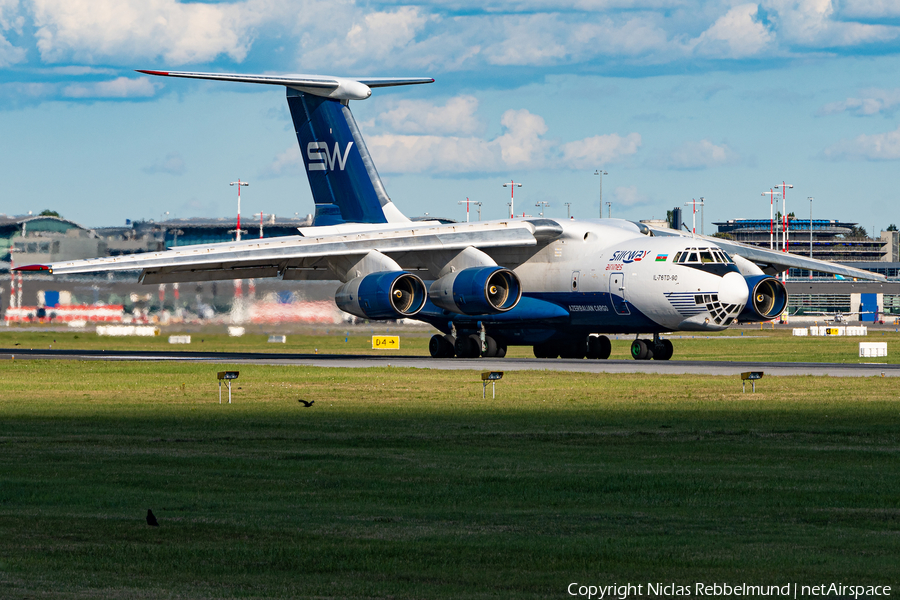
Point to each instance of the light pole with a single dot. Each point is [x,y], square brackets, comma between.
[239,185]
[542,205]
[608,210]
[569,209]
[512,185]
[261,214]
[601,173]
[810,232]
[702,220]
[771,195]
[467,202]
[694,203]
[478,204]
[786,225]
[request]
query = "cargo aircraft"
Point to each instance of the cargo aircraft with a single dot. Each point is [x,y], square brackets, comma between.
[560,286]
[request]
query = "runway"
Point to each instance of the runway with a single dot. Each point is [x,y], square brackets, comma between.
[672,367]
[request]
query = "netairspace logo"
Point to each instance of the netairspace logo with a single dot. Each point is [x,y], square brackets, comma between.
[721,590]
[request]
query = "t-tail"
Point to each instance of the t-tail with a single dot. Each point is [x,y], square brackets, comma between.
[345,185]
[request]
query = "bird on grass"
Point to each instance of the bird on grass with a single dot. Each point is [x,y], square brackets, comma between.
[305,403]
[151,519]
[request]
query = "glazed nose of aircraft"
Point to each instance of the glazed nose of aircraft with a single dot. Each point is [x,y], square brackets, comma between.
[733,289]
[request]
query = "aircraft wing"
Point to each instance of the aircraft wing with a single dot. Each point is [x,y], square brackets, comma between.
[310,256]
[773,261]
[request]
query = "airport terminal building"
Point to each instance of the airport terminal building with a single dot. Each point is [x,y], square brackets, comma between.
[832,241]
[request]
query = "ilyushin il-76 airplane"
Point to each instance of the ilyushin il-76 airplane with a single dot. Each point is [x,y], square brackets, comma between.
[560,286]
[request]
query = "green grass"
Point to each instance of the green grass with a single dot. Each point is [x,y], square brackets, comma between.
[406,484]
[740,343]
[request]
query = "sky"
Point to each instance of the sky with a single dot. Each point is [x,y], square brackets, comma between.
[673,99]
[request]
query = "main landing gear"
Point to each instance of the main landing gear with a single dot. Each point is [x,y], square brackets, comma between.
[594,346]
[465,346]
[657,349]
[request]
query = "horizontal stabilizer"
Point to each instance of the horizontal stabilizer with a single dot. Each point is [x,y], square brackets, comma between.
[338,88]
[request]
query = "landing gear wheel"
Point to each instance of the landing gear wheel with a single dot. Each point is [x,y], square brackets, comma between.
[640,350]
[546,350]
[664,350]
[598,346]
[490,346]
[501,350]
[576,349]
[442,346]
[467,347]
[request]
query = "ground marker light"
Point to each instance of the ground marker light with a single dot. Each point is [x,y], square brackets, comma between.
[226,376]
[493,377]
[750,376]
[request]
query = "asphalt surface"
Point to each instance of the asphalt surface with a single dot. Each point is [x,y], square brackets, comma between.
[672,367]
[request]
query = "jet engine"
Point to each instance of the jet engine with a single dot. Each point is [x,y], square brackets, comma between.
[768,299]
[384,295]
[477,291]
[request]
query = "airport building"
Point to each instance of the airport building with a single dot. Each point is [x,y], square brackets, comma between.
[832,241]
[41,239]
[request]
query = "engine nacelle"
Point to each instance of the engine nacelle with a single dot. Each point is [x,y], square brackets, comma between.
[477,291]
[384,295]
[768,299]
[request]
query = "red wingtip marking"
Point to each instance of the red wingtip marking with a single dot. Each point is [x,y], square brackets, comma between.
[32,268]
[152,72]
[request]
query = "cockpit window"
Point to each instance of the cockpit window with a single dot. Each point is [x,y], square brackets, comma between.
[702,256]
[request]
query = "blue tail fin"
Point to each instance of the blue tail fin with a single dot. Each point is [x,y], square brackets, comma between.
[345,185]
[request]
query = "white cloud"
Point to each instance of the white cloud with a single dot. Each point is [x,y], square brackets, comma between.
[737,34]
[382,38]
[457,116]
[121,87]
[873,102]
[431,153]
[381,33]
[599,149]
[879,146]
[698,155]
[10,20]
[871,9]
[521,145]
[173,164]
[629,196]
[117,30]
[10,17]
[812,23]
[289,162]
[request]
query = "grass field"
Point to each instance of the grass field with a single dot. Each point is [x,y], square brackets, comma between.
[406,484]
[738,343]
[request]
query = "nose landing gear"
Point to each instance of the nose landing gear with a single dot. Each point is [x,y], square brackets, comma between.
[657,349]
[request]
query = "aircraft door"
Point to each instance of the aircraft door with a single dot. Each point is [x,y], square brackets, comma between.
[617,293]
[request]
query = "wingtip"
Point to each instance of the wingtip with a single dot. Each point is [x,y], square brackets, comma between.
[34,268]
[148,72]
